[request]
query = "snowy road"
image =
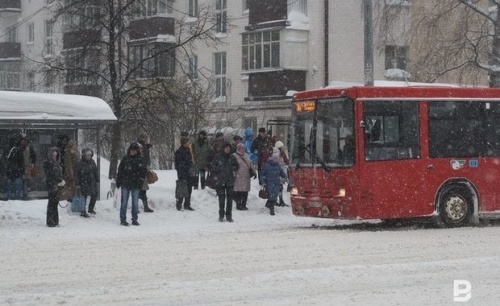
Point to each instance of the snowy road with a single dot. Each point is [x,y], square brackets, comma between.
[307,266]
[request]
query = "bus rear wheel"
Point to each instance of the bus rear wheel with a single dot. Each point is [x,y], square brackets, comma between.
[455,207]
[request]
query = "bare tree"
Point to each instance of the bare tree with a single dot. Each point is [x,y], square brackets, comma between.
[109,51]
[449,40]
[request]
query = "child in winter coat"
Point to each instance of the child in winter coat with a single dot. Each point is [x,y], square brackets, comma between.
[87,180]
[271,174]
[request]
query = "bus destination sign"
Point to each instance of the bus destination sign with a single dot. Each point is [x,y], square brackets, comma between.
[306,106]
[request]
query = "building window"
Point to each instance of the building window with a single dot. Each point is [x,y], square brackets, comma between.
[31,32]
[250,123]
[152,60]
[49,81]
[12,34]
[150,8]
[221,15]
[261,50]
[220,74]
[82,18]
[396,57]
[30,81]
[193,8]
[193,67]
[48,38]
[10,75]
[80,66]
[297,6]
[397,2]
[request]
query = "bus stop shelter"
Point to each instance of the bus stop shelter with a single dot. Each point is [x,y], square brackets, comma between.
[44,116]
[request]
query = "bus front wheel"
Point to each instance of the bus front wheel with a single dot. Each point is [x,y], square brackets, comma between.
[455,207]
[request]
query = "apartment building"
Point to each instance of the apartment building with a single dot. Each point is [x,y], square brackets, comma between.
[268,50]
[26,42]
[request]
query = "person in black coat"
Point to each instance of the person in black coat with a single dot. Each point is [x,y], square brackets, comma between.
[224,165]
[130,178]
[183,164]
[87,180]
[53,178]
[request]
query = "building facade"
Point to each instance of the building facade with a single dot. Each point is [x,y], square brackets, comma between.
[267,50]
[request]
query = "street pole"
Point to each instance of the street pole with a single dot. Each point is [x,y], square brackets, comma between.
[368,42]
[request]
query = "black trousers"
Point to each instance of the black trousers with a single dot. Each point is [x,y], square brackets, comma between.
[52,211]
[225,194]
[187,201]
[93,200]
[240,198]
[201,176]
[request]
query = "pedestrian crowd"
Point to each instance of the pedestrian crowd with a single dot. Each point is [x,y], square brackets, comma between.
[226,167]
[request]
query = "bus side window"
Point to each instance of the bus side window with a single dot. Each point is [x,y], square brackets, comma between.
[373,129]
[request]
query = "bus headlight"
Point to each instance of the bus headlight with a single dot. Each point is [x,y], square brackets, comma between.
[294,191]
[341,192]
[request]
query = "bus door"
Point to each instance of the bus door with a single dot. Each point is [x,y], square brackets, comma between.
[280,128]
[391,169]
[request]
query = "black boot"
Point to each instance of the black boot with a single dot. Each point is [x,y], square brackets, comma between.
[271,210]
[268,204]
[146,206]
[282,203]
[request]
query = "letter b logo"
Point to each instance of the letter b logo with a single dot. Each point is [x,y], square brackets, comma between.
[462,290]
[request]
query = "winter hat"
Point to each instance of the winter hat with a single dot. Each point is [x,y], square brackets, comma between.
[226,144]
[279,144]
[262,130]
[134,146]
[241,145]
[87,151]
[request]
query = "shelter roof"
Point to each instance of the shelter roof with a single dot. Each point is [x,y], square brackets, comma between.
[28,108]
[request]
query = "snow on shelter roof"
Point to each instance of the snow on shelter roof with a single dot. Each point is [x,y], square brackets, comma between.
[44,108]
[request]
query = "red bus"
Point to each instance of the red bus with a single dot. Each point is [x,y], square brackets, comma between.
[396,152]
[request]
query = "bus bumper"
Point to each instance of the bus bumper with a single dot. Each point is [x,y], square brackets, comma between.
[335,208]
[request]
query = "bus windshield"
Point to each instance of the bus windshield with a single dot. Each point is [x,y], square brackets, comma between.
[323,133]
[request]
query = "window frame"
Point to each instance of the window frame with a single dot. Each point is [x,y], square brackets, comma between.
[31,32]
[261,50]
[396,57]
[220,77]
[221,16]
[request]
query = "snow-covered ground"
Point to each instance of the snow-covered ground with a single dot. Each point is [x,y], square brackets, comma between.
[189,258]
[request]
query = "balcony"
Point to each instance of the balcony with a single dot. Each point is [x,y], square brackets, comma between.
[151,27]
[10,50]
[267,11]
[272,85]
[10,6]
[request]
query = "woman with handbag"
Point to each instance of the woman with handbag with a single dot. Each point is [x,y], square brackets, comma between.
[243,175]
[271,174]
